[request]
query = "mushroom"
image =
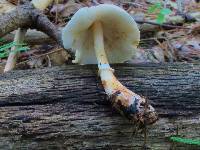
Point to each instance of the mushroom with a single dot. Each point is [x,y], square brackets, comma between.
[102,34]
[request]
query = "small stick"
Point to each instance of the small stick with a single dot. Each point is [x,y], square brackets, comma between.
[38,56]
[12,58]
[56,12]
[161,25]
[18,39]
[20,35]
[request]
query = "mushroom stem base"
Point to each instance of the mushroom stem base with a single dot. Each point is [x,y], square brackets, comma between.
[128,103]
[125,101]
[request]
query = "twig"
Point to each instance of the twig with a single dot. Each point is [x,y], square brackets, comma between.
[166,52]
[133,4]
[56,11]
[12,58]
[161,25]
[19,37]
[171,48]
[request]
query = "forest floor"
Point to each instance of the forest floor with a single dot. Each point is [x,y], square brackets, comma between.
[169,32]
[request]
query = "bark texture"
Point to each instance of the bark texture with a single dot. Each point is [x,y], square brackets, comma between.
[66,108]
[20,17]
[26,16]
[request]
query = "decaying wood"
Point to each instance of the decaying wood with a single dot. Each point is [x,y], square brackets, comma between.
[65,107]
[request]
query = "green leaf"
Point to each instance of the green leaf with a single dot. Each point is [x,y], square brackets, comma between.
[165,11]
[160,18]
[2,40]
[154,7]
[6,46]
[158,5]
[19,47]
[22,49]
[185,140]
[4,55]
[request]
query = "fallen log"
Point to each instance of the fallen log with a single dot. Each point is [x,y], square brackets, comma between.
[66,108]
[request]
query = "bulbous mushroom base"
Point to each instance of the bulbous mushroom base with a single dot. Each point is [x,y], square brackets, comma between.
[137,111]
[128,103]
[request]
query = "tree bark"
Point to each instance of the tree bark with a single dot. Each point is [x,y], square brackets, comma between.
[26,16]
[66,108]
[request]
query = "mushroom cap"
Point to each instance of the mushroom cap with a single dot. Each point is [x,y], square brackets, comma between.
[120,31]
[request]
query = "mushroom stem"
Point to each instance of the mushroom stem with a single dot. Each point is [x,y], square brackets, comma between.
[125,101]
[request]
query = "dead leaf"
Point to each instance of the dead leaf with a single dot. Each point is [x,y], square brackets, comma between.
[188,50]
[65,10]
[108,2]
[195,30]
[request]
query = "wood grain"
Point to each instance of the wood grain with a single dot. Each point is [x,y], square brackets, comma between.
[66,108]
